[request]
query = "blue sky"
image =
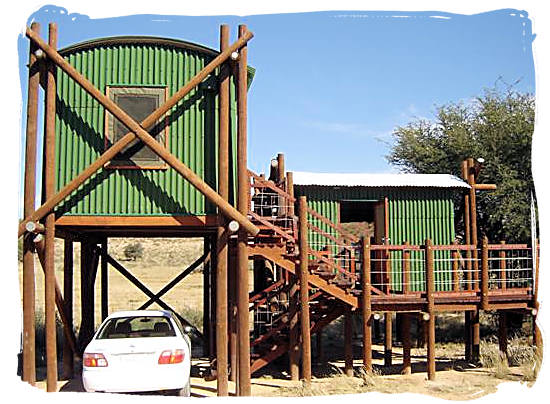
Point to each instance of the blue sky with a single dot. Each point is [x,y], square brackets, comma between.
[331,87]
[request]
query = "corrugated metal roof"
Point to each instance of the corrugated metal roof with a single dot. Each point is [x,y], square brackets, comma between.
[379,180]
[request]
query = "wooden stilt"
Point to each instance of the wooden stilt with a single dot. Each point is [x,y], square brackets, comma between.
[232,311]
[475,336]
[243,381]
[348,342]
[366,309]
[406,339]
[29,298]
[304,291]
[68,361]
[49,191]
[104,282]
[388,339]
[502,334]
[468,347]
[430,309]
[294,333]
[222,243]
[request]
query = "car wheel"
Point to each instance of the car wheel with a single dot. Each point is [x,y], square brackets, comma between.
[186,391]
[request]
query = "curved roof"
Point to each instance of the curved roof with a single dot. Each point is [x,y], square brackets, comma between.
[379,180]
[147,40]
[137,40]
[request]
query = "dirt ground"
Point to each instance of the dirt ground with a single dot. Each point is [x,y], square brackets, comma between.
[163,259]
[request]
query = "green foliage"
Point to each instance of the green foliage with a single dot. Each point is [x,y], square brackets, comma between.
[498,127]
[133,251]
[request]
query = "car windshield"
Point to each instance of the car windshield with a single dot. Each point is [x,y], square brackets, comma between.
[136,327]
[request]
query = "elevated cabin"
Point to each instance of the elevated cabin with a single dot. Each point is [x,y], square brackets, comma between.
[387,209]
[139,74]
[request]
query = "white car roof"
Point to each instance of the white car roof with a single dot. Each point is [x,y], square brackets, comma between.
[139,313]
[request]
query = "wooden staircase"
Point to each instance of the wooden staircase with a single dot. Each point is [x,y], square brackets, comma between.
[333,283]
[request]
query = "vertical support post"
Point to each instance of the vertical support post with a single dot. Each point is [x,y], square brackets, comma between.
[29,299]
[388,338]
[455,256]
[348,342]
[243,385]
[430,298]
[468,343]
[304,291]
[475,336]
[104,282]
[87,298]
[502,334]
[68,279]
[406,268]
[290,191]
[206,303]
[294,336]
[280,168]
[467,231]
[485,274]
[406,338]
[222,248]
[502,266]
[473,220]
[49,191]
[366,308]
[232,310]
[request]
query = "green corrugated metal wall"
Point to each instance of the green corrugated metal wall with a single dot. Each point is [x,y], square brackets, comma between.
[415,214]
[192,130]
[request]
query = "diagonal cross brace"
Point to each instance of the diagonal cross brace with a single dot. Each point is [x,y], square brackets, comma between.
[201,260]
[128,275]
[137,130]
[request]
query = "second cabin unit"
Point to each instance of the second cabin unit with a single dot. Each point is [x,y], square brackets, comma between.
[387,209]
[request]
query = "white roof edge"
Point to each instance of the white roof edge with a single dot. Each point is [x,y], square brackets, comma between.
[378,180]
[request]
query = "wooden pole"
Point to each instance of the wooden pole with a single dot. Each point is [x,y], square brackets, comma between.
[348,342]
[290,191]
[430,309]
[29,302]
[68,280]
[455,256]
[206,303]
[232,310]
[485,274]
[304,291]
[406,338]
[475,336]
[388,339]
[137,130]
[366,309]
[294,333]
[468,345]
[104,282]
[467,231]
[502,334]
[406,268]
[222,250]
[502,266]
[49,188]
[242,248]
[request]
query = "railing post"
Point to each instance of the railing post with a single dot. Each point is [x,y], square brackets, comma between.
[502,265]
[406,268]
[366,306]
[304,291]
[430,308]
[485,274]
[455,263]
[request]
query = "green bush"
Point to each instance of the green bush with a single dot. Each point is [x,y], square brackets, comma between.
[133,251]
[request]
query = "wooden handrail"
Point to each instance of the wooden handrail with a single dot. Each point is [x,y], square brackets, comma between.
[335,226]
[271,185]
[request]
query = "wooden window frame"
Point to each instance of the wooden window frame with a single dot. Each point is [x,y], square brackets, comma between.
[109,119]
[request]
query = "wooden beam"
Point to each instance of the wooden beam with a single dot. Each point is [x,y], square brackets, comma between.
[49,191]
[388,339]
[294,329]
[68,281]
[137,130]
[430,308]
[29,298]
[304,290]
[406,338]
[366,306]
[137,221]
[485,187]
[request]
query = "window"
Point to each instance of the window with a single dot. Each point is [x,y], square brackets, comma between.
[137,327]
[138,102]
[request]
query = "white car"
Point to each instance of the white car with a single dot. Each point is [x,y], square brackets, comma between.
[138,351]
